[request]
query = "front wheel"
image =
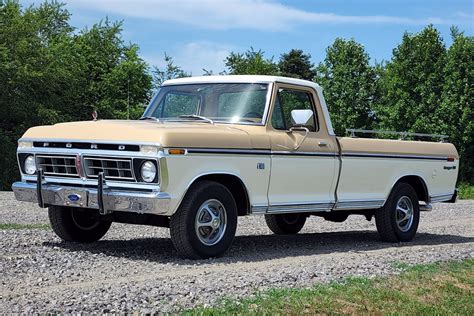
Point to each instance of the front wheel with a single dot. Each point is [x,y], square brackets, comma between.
[398,219]
[285,224]
[205,223]
[77,224]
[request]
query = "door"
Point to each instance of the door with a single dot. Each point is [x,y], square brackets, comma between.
[304,161]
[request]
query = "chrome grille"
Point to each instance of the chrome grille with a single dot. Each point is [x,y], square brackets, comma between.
[113,168]
[64,166]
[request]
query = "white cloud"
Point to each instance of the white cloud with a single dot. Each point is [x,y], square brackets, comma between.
[193,57]
[196,56]
[231,14]
[465,15]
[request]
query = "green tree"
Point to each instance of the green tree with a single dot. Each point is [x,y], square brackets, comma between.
[31,64]
[116,81]
[171,71]
[250,63]
[296,64]
[456,111]
[34,73]
[413,83]
[349,84]
[50,74]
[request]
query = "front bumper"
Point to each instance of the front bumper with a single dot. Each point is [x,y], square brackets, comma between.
[105,199]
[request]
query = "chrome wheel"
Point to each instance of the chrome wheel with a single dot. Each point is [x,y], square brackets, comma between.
[211,222]
[404,213]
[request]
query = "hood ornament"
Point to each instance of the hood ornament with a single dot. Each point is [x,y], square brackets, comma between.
[94,115]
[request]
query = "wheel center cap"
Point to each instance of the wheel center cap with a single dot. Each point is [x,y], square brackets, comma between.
[215,223]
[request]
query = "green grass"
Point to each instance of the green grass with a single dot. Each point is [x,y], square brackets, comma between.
[466,191]
[432,289]
[4,226]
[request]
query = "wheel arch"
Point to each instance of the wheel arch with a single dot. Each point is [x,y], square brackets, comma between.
[233,183]
[418,184]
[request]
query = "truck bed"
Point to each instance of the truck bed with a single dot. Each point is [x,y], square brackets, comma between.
[370,168]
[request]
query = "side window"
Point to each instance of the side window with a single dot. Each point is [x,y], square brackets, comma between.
[176,104]
[287,101]
[278,121]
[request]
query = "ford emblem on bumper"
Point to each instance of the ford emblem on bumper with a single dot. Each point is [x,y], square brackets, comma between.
[74,197]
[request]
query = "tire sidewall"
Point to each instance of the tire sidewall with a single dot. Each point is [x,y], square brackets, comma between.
[223,195]
[291,227]
[65,227]
[405,190]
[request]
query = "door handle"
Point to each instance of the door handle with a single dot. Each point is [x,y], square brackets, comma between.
[322,144]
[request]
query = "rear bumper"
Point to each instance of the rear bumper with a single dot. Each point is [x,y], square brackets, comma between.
[112,199]
[426,207]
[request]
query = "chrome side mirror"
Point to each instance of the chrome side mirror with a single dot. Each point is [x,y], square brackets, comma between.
[301,117]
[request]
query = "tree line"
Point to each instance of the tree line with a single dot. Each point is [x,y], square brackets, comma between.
[50,73]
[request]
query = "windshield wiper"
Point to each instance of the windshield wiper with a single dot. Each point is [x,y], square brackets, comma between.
[149,118]
[199,117]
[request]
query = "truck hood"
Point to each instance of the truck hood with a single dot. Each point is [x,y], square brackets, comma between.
[168,134]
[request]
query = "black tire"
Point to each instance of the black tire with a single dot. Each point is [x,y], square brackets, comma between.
[183,224]
[285,224]
[386,217]
[336,216]
[76,224]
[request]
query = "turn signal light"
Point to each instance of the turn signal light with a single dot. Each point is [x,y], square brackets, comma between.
[177,151]
[450,158]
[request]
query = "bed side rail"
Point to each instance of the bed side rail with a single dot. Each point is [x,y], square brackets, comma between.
[402,135]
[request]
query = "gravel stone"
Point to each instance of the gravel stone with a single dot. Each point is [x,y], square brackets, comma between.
[135,268]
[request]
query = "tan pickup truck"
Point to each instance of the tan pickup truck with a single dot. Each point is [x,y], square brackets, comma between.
[210,149]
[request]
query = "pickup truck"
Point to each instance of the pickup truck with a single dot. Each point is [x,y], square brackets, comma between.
[210,149]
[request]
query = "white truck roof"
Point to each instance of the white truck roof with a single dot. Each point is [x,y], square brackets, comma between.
[257,79]
[240,79]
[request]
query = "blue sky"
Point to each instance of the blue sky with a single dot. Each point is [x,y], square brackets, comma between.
[201,33]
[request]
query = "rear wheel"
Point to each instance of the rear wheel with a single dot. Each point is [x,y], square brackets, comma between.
[398,220]
[205,223]
[285,224]
[77,224]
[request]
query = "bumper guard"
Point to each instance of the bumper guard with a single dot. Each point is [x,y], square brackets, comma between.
[103,198]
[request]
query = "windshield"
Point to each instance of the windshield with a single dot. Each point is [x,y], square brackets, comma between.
[219,102]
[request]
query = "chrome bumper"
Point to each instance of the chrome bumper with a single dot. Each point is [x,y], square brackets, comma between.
[112,199]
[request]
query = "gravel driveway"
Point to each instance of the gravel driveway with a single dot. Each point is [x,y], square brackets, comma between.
[135,268]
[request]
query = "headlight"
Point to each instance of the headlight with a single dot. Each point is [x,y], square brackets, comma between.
[30,165]
[148,171]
